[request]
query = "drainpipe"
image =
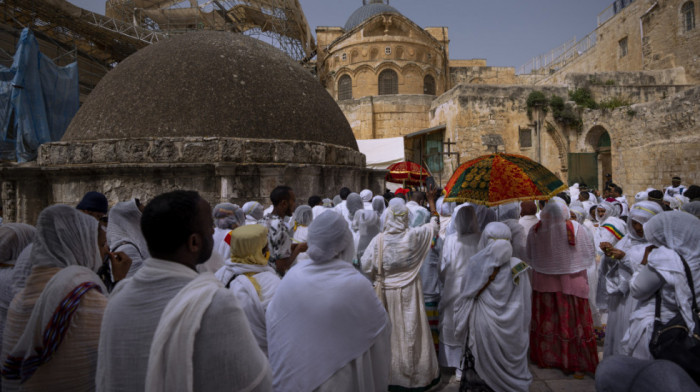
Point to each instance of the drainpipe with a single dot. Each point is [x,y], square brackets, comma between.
[371,105]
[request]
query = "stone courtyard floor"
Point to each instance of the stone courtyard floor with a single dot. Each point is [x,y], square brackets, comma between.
[543,380]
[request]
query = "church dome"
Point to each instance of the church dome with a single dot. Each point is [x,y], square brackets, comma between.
[211,84]
[367,11]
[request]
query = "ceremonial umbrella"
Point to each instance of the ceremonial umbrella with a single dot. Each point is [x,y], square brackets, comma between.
[502,178]
[407,173]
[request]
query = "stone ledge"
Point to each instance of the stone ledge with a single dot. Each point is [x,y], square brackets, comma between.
[199,150]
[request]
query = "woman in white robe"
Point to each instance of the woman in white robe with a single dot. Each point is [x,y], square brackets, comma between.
[458,248]
[301,219]
[393,259]
[365,226]
[253,211]
[227,216]
[326,329]
[53,324]
[14,238]
[616,269]
[494,310]
[250,278]
[124,233]
[674,234]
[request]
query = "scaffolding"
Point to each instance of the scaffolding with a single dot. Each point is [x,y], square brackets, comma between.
[280,23]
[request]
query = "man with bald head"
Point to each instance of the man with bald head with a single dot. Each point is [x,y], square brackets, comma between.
[528,215]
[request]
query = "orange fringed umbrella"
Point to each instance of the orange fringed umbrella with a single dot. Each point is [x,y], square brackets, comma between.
[502,178]
[407,173]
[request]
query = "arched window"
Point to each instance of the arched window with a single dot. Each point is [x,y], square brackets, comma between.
[388,82]
[429,85]
[344,88]
[688,13]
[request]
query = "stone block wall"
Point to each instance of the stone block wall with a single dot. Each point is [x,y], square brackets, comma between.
[220,169]
[658,141]
[387,116]
[656,40]
[482,75]
[472,111]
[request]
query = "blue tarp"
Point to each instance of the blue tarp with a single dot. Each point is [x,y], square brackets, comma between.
[38,100]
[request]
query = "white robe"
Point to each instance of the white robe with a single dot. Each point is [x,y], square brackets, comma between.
[222,360]
[455,255]
[253,303]
[413,363]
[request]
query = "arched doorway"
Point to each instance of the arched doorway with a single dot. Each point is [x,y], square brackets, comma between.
[604,158]
[598,141]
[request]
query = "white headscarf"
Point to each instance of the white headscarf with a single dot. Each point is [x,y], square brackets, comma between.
[445,209]
[465,221]
[641,212]
[330,239]
[580,213]
[308,344]
[65,237]
[227,216]
[508,211]
[610,211]
[125,227]
[354,204]
[303,215]
[693,208]
[14,237]
[253,210]
[494,250]
[367,224]
[366,195]
[378,205]
[396,217]
[548,244]
[676,233]
[641,196]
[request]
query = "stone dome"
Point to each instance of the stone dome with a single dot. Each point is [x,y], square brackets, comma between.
[211,84]
[367,11]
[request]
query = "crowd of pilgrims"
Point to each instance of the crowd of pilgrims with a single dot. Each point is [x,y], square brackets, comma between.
[355,293]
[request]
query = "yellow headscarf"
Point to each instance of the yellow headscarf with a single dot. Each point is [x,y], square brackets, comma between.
[247,243]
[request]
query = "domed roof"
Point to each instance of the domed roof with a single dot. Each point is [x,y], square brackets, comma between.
[211,84]
[367,11]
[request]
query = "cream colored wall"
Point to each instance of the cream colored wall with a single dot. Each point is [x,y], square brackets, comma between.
[414,54]
[665,44]
[387,116]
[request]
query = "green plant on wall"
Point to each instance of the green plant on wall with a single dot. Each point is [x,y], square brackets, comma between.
[564,113]
[583,97]
[614,103]
[536,100]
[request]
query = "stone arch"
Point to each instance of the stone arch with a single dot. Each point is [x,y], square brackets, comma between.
[429,85]
[563,152]
[598,140]
[477,80]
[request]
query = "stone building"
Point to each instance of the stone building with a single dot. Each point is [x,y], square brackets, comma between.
[393,78]
[220,113]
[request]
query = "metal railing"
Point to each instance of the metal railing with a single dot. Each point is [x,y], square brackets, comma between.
[612,10]
[559,57]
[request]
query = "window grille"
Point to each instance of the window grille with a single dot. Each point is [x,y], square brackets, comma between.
[429,85]
[688,12]
[525,137]
[388,82]
[623,47]
[344,88]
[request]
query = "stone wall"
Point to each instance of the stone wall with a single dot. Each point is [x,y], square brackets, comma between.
[380,43]
[655,40]
[472,111]
[387,116]
[658,141]
[481,75]
[221,169]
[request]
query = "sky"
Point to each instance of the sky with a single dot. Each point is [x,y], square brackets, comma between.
[504,32]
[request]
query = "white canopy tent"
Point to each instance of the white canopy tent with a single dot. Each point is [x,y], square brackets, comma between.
[381,153]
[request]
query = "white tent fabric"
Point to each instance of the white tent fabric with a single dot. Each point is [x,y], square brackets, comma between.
[381,153]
